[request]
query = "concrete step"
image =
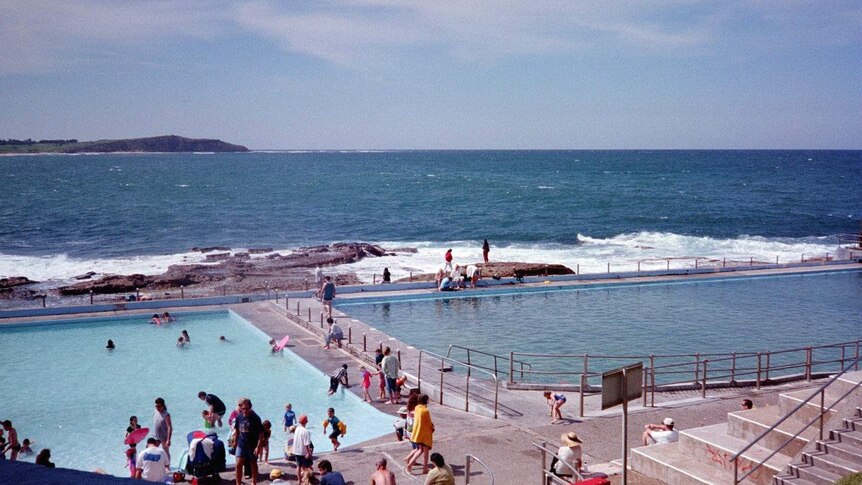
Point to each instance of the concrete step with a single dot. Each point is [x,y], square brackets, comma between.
[831,463]
[666,464]
[712,445]
[854,424]
[748,425]
[848,381]
[814,474]
[852,438]
[787,401]
[791,480]
[841,450]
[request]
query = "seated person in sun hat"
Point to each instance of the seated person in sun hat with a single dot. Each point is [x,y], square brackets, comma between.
[569,455]
[660,433]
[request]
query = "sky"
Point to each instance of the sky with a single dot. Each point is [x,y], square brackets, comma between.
[416,74]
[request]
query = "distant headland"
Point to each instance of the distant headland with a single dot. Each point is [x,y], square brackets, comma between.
[168,143]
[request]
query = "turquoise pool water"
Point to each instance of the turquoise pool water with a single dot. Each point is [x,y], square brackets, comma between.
[719,315]
[61,388]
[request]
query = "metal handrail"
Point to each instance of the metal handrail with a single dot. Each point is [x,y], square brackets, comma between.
[472,458]
[546,473]
[470,368]
[480,352]
[822,392]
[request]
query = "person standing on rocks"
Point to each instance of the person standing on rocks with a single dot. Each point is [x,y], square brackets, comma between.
[318,276]
[447,258]
[327,294]
[486,248]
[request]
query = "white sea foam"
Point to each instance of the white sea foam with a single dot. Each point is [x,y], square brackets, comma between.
[61,268]
[590,255]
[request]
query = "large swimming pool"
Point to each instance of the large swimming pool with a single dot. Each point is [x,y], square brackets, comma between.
[61,388]
[687,316]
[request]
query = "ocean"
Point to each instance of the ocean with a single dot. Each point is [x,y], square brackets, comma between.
[64,215]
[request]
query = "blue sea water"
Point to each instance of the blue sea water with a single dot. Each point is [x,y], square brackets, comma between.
[140,212]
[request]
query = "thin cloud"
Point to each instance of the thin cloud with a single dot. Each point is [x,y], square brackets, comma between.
[41,35]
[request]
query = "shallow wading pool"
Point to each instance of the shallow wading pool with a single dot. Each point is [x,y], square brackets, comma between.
[62,389]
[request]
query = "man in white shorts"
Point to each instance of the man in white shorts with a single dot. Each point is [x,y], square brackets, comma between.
[660,433]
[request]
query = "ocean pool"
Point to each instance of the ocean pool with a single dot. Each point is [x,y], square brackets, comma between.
[64,390]
[721,315]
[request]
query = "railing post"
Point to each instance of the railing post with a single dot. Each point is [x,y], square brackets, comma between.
[581,395]
[843,348]
[751,261]
[639,266]
[808,364]
[578,269]
[703,385]
[697,367]
[856,355]
[512,368]
[609,266]
[375,278]
[644,387]
[364,342]
[695,263]
[652,379]
[467,461]
[349,335]
[776,261]
[724,262]
[91,297]
[441,381]
[768,365]
[418,369]
[733,368]
[822,398]
[803,258]
[398,353]
[668,264]
[297,309]
[757,386]
[467,391]
[276,296]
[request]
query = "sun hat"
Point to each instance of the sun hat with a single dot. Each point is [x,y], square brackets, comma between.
[668,421]
[402,410]
[275,473]
[570,439]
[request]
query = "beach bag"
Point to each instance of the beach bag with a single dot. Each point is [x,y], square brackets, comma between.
[342,428]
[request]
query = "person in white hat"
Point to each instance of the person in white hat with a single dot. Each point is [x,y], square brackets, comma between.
[660,433]
[569,455]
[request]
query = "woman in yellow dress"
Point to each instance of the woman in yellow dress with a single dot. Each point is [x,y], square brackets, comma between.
[423,429]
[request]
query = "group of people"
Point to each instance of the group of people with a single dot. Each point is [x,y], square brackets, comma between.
[9,444]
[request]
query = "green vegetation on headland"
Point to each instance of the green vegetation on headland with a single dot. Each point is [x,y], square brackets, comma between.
[169,143]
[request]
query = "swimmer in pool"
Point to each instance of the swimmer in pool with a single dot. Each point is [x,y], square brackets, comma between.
[181,342]
[156,320]
[167,318]
[222,338]
[110,345]
[185,335]
[273,346]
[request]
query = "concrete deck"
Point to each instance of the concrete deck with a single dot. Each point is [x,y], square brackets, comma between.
[504,444]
